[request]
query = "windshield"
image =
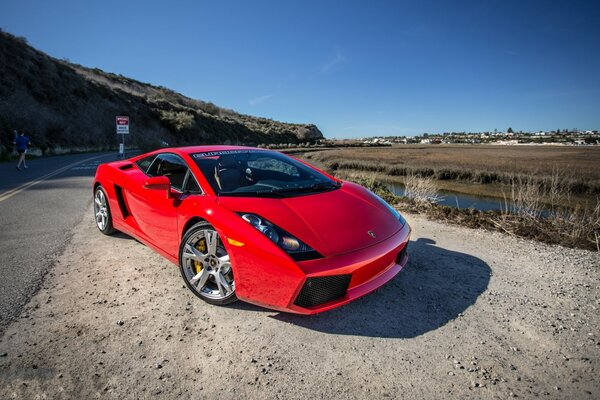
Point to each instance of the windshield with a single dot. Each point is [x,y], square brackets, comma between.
[260,173]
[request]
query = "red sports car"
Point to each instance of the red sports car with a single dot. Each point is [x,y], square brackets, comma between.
[255,225]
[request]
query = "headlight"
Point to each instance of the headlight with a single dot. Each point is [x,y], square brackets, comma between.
[392,209]
[269,232]
[298,250]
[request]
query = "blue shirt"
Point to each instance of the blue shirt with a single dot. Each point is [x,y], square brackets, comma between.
[22,142]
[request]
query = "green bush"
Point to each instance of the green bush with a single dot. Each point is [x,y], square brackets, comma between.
[177,120]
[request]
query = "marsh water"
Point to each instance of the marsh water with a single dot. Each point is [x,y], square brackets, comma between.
[460,200]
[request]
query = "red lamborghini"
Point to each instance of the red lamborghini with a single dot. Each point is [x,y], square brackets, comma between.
[255,225]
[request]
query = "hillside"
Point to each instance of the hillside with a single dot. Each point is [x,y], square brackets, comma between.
[67,105]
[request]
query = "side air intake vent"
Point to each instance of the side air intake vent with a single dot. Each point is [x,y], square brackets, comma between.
[121,200]
[323,289]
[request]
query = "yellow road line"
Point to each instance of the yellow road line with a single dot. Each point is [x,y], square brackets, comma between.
[27,185]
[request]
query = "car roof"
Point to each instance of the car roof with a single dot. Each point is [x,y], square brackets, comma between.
[201,149]
[189,150]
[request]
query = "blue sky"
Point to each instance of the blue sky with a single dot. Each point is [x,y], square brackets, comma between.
[353,68]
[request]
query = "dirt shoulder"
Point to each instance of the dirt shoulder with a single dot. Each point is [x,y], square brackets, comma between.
[473,315]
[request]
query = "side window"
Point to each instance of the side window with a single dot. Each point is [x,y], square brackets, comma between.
[172,167]
[145,163]
[190,185]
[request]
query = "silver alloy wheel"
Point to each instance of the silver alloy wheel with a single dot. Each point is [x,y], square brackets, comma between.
[206,265]
[101,209]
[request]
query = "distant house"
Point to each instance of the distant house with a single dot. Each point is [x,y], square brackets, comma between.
[431,141]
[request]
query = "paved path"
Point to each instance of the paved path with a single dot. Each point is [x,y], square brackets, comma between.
[39,207]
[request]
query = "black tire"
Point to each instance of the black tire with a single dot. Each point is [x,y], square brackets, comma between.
[190,269]
[102,214]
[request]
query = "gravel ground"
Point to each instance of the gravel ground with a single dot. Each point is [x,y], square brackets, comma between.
[473,315]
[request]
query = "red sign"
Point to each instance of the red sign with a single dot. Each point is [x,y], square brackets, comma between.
[122,125]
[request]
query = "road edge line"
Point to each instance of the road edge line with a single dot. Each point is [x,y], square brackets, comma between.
[27,185]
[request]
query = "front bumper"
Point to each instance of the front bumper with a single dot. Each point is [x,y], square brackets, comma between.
[280,287]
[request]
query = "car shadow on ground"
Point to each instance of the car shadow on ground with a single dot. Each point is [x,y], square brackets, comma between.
[434,288]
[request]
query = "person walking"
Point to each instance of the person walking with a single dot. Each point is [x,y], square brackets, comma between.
[22,143]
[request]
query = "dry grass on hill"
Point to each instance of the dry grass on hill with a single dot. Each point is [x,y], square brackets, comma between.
[65,105]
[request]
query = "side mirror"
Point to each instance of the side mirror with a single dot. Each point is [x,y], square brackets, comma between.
[159,183]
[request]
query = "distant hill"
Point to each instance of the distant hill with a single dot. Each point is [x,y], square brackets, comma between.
[68,105]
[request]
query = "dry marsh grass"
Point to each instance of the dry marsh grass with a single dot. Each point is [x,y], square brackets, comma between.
[526,216]
[421,189]
[480,164]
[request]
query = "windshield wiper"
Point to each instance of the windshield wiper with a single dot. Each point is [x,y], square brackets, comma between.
[282,192]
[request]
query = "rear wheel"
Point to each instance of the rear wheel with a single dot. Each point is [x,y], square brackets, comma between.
[102,212]
[205,265]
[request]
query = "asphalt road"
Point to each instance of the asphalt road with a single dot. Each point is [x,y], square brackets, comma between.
[39,207]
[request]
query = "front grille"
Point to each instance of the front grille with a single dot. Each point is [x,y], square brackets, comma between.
[401,254]
[323,289]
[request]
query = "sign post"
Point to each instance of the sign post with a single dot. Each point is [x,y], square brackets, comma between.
[122,129]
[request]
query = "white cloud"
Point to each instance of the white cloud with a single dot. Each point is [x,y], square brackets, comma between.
[259,99]
[336,60]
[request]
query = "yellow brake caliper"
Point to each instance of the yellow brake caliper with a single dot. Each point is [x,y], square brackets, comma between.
[201,245]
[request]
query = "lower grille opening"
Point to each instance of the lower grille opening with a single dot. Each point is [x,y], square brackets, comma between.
[323,289]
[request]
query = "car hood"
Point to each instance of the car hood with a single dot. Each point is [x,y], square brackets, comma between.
[335,222]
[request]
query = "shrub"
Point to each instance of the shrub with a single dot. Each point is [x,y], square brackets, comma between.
[375,186]
[421,189]
[177,120]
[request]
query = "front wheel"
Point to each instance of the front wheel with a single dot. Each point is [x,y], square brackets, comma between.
[205,265]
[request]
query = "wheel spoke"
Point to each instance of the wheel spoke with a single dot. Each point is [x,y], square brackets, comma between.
[193,253]
[223,285]
[224,259]
[98,202]
[225,267]
[220,287]
[200,279]
[212,238]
